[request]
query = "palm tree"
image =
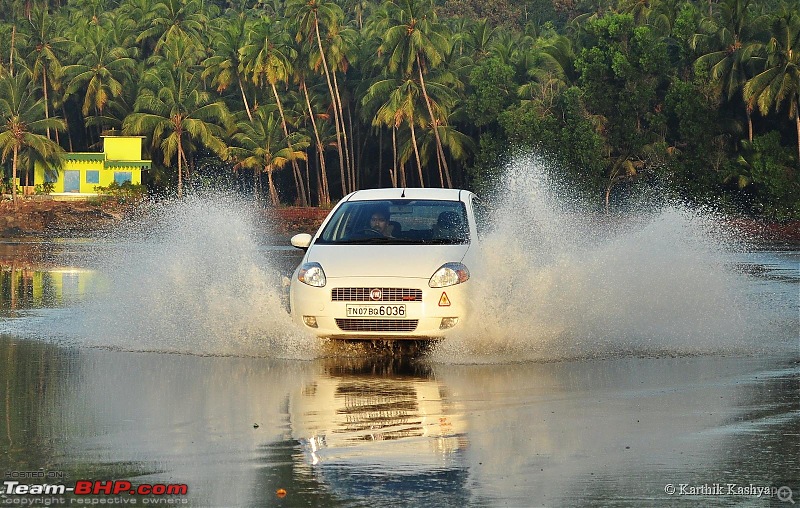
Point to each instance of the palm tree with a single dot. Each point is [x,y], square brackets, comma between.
[120,30]
[780,81]
[308,14]
[396,102]
[262,146]
[23,125]
[549,65]
[119,107]
[324,190]
[732,37]
[478,38]
[140,13]
[100,72]
[459,145]
[639,9]
[415,40]
[359,9]
[44,59]
[8,48]
[268,59]
[225,67]
[28,159]
[338,53]
[180,51]
[170,18]
[175,110]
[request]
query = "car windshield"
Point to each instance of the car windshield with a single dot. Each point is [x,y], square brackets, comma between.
[417,222]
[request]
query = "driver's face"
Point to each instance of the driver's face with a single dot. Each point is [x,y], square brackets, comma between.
[378,222]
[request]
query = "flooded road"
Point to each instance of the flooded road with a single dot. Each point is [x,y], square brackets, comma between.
[355,429]
[382,432]
[646,360]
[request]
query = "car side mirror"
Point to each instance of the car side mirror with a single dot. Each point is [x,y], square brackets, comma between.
[301,241]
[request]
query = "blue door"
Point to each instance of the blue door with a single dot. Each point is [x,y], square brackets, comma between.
[72,181]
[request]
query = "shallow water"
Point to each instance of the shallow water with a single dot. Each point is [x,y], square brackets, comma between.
[341,430]
[392,432]
[608,362]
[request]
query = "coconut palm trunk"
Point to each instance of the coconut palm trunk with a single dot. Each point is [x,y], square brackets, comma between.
[347,155]
[439,166]
[337,120]
[69,132]
[14,177]
[273,193]
[298,175]
[398,167]
[244,98]
[46,100]
[11,52]
[416,150]
[393,170]
[797,125]
[325,194]
[749,112]
[435,125]
[180,167]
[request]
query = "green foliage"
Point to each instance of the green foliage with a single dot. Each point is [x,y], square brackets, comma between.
[567,136]
[490,93]
[690,114]
[492,153]
[769,172]
[23,125]
[622,71]
[6,186]
[697,144]
[43,188]
[126,192]
[609,90]
[498,12]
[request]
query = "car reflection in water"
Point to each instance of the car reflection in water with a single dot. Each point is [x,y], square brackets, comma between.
[381,429]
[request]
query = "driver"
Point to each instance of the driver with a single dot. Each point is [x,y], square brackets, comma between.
[379,221]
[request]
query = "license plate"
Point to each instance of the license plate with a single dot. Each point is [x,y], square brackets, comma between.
[377,311]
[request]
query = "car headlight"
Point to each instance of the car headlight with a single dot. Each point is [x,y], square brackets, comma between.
[449,274]
[312,274]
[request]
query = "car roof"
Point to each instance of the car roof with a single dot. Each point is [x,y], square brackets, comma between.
[409,193]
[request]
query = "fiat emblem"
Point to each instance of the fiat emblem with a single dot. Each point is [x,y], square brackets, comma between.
[376,294]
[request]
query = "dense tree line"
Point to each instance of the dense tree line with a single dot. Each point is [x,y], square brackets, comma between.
[317,98]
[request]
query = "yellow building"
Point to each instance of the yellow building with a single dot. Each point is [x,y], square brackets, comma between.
[120,161]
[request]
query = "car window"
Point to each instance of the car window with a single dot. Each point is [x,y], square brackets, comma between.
[398,222]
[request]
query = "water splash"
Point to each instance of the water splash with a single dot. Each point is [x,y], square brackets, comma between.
[558,282]
[193,276]
[189,276]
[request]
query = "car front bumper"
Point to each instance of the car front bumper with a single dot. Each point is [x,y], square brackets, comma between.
[436,312]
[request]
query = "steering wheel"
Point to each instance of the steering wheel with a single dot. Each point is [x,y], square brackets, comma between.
[371,233]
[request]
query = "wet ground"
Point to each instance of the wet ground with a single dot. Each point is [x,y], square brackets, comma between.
[341,427]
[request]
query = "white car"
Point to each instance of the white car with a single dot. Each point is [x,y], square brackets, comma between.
[387,264]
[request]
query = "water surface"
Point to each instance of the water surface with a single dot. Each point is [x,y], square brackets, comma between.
[608,362]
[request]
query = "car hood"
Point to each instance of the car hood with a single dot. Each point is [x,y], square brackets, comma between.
[419,261]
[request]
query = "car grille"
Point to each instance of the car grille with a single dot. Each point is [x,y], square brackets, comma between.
[377,325]
[388,295]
